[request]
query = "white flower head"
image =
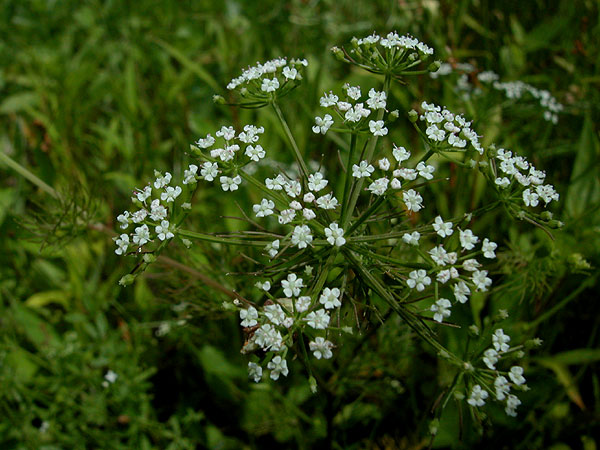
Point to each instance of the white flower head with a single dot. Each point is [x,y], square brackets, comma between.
[321,348]
[335,235]
[441,309]
[277,366]
[444,229]
[301,236]
[418,279]
[291,286]
[478,396]
[330,298]
[412,238]
[254,372]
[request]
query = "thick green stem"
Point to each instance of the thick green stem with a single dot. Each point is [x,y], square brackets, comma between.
[290,136]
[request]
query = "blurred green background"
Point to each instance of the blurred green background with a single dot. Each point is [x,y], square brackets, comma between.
[96,95]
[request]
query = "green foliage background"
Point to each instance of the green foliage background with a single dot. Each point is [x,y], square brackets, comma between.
[95,95]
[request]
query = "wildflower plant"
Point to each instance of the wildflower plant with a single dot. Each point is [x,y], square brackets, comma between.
[366,235]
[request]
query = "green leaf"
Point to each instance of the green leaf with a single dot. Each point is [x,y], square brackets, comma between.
[41,299]
[18,102]
[579,356]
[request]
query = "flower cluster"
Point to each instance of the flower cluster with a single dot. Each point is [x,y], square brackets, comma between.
[495,383]
[512,90]
[392,54]
[151,219]
[520,178]
[446,130]
[354,114]
[263,82]
[275,326]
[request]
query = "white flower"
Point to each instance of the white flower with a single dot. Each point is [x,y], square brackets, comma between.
[275,184]
[502,182]
[516,375]
[293,188]
[335,235]
[111,376]
[384,164]
[250,134]
[478,396]
[328,100]
[435,134]
[480,280]
[139,216]
[511,405]
[230,184]
[142,235]
[468,239]
[301,236]
[444,276]
[309,197]
[270,85]
[413,200]
[206,142]
[264,209]
[471,265]
[377,100]
[267,337]
[227,133]
[249,317]
[444,229]
[189,175]
[286,216]
[500,340]
[316,182]
[255,153]
[400,154]
[425,171]
[490,358]
[291,73]
[439,255]
[330,298]
[461,292]
[209,171]
[163,231]
[488,248]
[308,214]
[352,91]
[379,186]
[378,128]
[122,244]
[407,174]
[302,304]
[321,348]
[327,201]
[291,286]
[418,279]
[275,314]
[143,195]
[319,320]
[123,219]
[277,366]
[412,238]
[162,181]
[322,125]
[170,194]
[363,170]
[441,308]
[296,205]
[157,211]
[254,372]
[502,387]
[273,248]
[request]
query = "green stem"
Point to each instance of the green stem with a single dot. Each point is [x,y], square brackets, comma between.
[290,136]
[348,180]
[219,240]
[364,216]
[29,175]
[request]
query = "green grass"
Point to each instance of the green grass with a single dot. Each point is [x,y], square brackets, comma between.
[94,96]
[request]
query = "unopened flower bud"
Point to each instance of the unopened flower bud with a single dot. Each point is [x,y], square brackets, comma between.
[218,99]
[393,115]
[434,66]
[338,53]
[413,116]
[149,258]
[312,382]
[546,215]
[533,343]
[474,330]
[127,280]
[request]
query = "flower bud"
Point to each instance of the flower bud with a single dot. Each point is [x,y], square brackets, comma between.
[126,280]
[218,99]
[312,382]
[338,53]
[434,66]
[413,116]
[533,343]
[546,215]
[474,330]
[393,115]
[149,258]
